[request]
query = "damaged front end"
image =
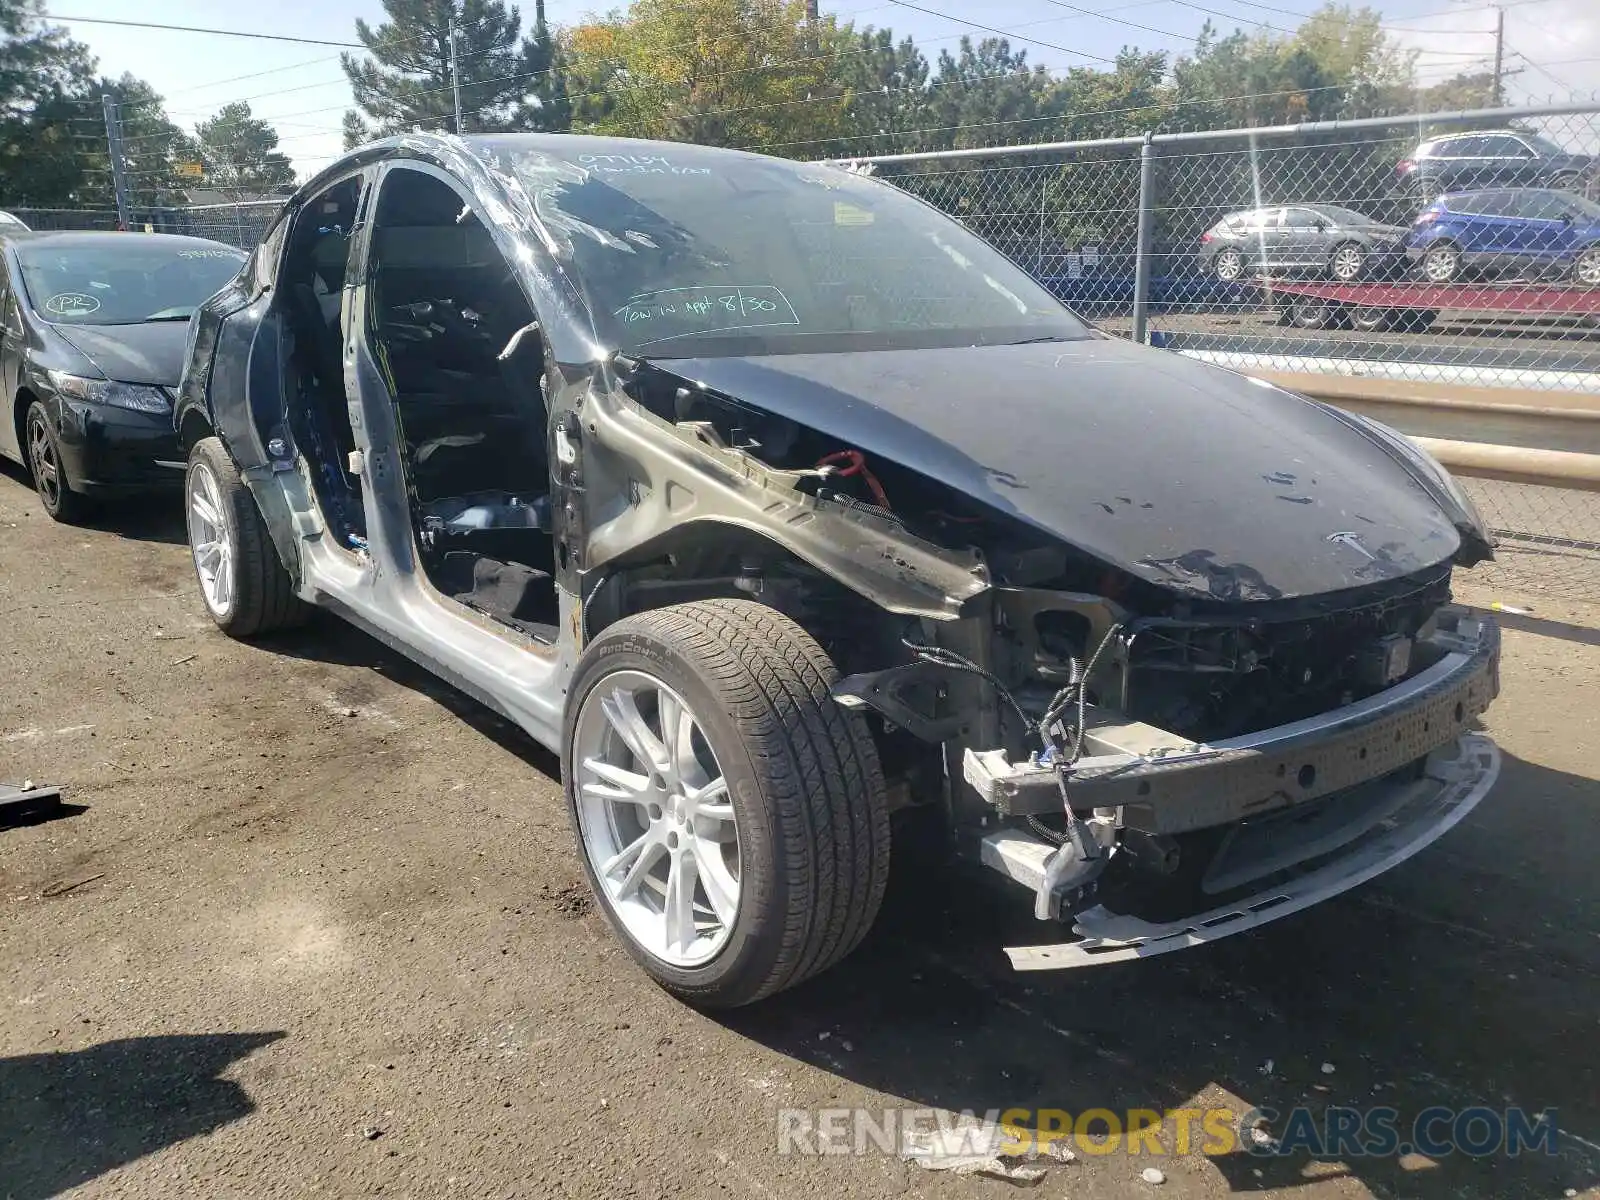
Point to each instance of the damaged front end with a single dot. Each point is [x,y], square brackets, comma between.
[1162,748]
[1164,781]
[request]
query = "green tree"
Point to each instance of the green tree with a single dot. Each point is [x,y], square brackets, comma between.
[885,85]
[47,109]
[506,81]
[719,72]
[240,154]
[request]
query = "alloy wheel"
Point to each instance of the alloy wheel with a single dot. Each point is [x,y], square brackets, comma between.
[1441,263]
[1587,271]
[208,539]
[1229,265]
[44,462]
[656,818]
[1347,263]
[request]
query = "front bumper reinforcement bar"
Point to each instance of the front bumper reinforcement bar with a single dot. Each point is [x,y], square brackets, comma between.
[1455,778]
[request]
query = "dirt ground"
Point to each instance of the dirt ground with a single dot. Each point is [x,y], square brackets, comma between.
[315,927]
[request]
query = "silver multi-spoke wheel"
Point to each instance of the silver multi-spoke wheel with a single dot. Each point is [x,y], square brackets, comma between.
[42,460]
[1348,260]
[1229,265]
[1441,263]
[1587,271]
[656,819]
[208,539]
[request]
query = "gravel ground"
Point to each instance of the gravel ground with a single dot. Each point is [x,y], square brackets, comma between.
[316,927]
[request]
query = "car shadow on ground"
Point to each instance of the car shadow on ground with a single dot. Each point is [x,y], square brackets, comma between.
[1465,977]
[153,517]
[70,1117]
[1454,985]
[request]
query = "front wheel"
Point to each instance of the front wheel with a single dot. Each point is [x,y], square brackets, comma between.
[242,580]
[43,449]
[731,816]
[1586,271]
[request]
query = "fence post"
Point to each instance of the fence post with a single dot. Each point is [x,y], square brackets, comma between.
[1141,255]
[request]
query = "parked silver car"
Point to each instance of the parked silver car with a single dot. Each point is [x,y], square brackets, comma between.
[1314,238]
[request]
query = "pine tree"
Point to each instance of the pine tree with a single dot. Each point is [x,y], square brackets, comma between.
[240,154]
[506,82]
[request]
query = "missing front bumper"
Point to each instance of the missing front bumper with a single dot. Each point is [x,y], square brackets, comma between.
[1408,816]
[1160,784]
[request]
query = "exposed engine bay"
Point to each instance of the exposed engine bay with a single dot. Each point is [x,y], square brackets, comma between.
[1128,740]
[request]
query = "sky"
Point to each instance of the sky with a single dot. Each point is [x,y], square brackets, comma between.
[302,91]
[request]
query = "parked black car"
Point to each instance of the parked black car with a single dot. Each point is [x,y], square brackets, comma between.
[1484,158]
[91,345]
[1322,238]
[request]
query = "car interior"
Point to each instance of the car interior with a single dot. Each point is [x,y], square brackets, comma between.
[457,342]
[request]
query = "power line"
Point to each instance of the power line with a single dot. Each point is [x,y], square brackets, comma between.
[1003,33]
[265,37]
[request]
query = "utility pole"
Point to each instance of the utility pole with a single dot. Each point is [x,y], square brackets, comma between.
[119,178]
[455,73]
[1499,55]
[811,11]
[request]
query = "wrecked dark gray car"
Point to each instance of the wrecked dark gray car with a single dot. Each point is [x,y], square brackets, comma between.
[776,503]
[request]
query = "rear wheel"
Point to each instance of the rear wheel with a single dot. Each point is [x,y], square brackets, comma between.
[731,817]
[1348,263]
[43,449]
[1228,266]
[242,580]
[1442,262]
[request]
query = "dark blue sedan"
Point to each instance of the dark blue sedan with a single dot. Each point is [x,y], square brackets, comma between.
[1528,231]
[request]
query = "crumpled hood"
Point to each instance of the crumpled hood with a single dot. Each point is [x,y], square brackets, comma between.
[1192,477]
[150,354]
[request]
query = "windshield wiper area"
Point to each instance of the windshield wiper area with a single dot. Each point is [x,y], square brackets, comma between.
[167,314]
[1049,337]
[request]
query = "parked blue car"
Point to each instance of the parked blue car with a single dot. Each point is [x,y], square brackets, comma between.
[1536,231]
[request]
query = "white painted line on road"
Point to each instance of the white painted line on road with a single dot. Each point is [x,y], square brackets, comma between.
[1359,368]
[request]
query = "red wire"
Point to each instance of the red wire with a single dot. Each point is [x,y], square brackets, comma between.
[857,465]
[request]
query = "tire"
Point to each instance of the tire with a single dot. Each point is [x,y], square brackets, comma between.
[1441,263]
[246,590]
[1369,319]
[41,447]
[1228,265]
[805,791]
[1586,271]
[1348,262]
[1313,314]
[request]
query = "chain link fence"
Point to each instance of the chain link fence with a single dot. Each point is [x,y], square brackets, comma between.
[1458,249]
[240,224]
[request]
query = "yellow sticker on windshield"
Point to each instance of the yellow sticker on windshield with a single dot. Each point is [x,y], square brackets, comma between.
[849,214]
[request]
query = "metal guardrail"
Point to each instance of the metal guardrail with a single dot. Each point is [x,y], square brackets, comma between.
[1541,438]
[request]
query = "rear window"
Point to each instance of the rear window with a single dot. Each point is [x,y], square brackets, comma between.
[125,282]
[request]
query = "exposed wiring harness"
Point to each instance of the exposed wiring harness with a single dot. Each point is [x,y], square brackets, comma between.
[1063,748]
[855,463]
